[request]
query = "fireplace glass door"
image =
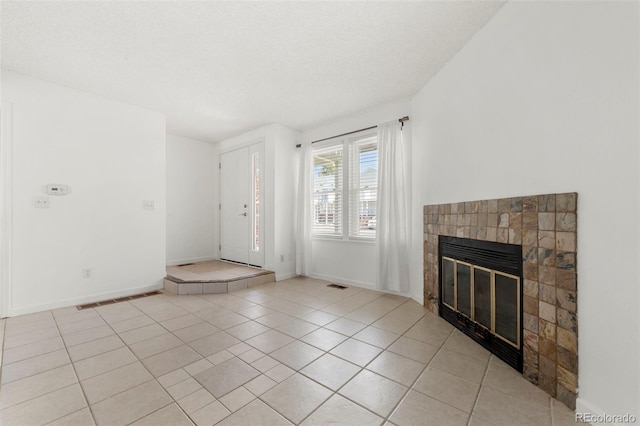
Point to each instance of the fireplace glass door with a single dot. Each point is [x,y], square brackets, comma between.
[489,298]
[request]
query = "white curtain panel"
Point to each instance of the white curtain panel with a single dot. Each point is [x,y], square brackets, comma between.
[393,221]
[304,214]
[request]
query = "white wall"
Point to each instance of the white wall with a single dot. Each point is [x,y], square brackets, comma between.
[544,99]
[191,205]
[284,208]
[112,156]
[352,262]
[278,193]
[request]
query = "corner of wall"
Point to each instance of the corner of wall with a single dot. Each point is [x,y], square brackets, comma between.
[75,138]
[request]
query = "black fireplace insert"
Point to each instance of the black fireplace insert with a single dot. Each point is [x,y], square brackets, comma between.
[481,293]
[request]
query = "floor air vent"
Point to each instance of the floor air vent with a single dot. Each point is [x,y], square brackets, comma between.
[341,287]
[186,264]
[118,300]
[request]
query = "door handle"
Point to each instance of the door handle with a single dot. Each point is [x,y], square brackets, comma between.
[243,214]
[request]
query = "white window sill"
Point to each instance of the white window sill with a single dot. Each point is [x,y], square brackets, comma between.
[344,240]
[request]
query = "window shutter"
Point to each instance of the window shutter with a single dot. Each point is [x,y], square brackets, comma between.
[363,186]
[328,190]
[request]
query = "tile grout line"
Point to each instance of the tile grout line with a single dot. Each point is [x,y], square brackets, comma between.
[64,387]
[325,352]
[385,349]
[203,357]
[314,310]
[353,337]
[410,388]
[61,417]
[162,408]
[34,356]
[35,374]
[385,419]
[139,360]
[484,377]
[237,356]
[72,363]
[362,368]
[333,393]
[304,418]
[336,392]
[84,396]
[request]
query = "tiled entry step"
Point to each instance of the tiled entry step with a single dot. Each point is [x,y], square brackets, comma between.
[213,277]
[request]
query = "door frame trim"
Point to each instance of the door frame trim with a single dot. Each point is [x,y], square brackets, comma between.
[6,210]
[245,144]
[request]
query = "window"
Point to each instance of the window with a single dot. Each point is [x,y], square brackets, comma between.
[363,187]
[327,191]
[255,226]
[345,186]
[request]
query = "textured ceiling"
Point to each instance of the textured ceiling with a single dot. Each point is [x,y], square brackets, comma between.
[217,69]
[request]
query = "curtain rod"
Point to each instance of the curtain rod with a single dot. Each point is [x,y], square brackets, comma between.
[401,120]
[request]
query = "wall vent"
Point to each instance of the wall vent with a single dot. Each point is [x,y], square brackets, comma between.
[341,287]
[118,300]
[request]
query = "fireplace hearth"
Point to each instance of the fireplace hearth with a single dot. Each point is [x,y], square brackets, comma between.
[545,229]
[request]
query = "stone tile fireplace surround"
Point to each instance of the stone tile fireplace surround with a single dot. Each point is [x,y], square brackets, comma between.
[545,226]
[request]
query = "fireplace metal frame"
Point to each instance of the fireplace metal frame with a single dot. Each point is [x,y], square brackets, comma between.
[503,259]
[493,273]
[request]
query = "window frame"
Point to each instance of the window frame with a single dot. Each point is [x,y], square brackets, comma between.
[346,143]
[325,146]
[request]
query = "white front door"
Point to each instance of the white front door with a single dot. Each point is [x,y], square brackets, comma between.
[240,211]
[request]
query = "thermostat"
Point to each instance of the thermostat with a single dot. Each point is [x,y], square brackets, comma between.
[57,189]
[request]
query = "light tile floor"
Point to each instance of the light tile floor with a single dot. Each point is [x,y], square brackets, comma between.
[292,352]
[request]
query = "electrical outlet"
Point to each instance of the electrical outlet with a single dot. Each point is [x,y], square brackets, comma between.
[148,204]
[86,273]
[41,202]
[282,258]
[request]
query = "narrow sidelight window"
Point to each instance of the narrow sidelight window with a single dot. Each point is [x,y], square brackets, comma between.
[255,167]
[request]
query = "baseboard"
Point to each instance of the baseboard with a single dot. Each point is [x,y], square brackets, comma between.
[87,299]
[418,298]
[288,275]
[191,260]
[585,407]
[360,284]
[396,293]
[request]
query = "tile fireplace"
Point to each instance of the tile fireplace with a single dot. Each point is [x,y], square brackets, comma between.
[539,315]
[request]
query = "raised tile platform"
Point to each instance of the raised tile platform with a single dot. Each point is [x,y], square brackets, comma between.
[214,277]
